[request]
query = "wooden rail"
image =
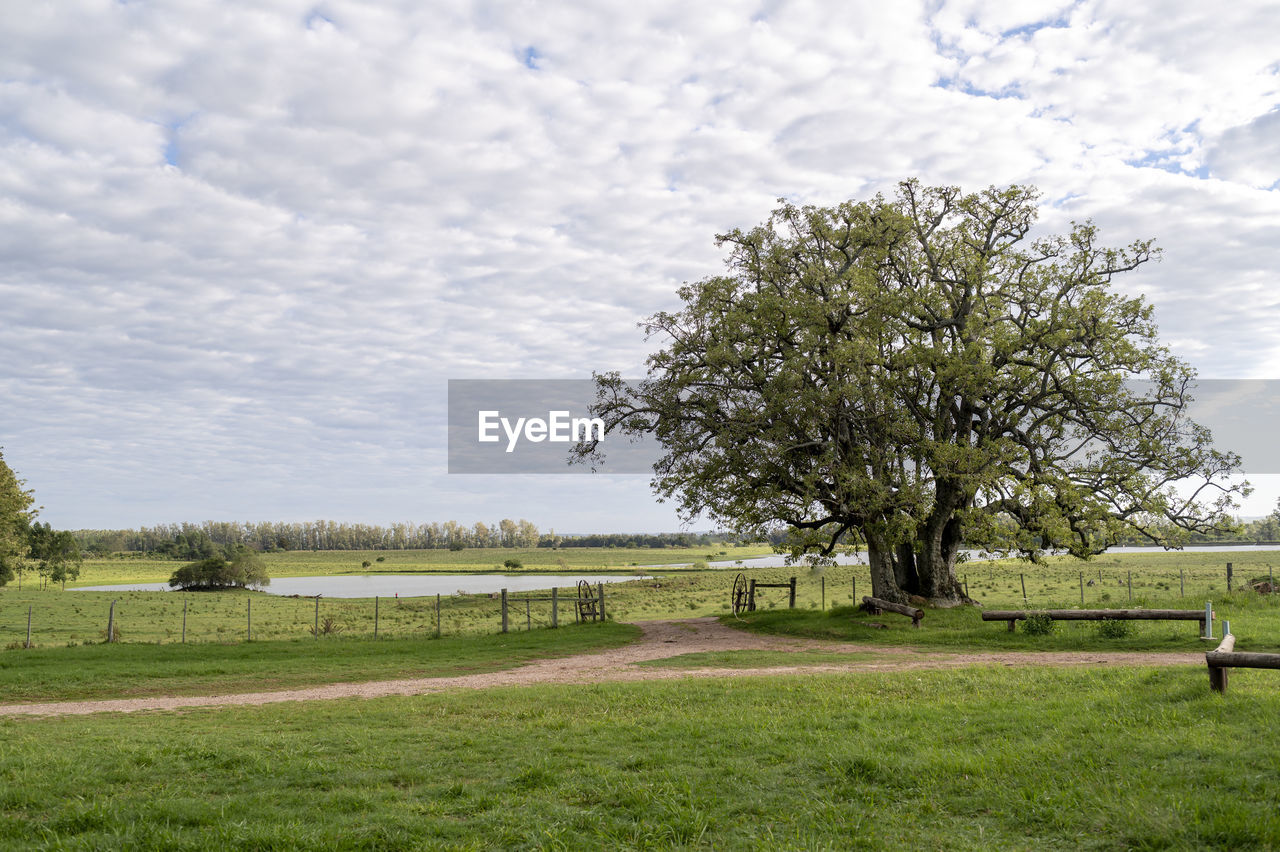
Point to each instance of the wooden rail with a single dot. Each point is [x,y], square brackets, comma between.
[1014,615]
[878,605]
[790,585]
[1226,657]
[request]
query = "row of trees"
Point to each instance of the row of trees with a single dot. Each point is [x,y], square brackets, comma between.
[28,545]
[214,538]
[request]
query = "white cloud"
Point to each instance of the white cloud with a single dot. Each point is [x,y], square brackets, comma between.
[246,243]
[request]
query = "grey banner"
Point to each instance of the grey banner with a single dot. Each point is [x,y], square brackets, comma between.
[529,425]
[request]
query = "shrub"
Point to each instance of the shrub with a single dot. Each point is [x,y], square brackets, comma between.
[215,572]
[1111,628]
[513,564]
[1038,624]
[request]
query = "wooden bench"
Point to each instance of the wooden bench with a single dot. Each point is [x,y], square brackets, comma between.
[1015,615]
[1226,657]
[877,605]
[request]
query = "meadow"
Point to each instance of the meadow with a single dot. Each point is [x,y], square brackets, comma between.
[976,758]
[1033,757]
[1183,580]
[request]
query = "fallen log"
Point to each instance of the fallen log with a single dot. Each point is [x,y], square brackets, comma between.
[879,605]
[1014,615]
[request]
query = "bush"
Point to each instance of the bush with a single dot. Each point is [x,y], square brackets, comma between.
[1111,628]
[513,564]
[1038,624]
[245,569]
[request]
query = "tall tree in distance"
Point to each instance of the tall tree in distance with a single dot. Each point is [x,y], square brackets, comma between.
[57,554]
[917,375]
[15,518]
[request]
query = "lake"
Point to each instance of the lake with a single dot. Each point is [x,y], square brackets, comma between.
[404,585]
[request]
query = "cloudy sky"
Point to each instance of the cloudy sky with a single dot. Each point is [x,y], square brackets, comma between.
[245,244]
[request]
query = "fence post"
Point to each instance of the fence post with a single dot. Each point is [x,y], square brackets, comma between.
[1081,588]
[249,624]
[111,623]
[601,585]
[437,615]
[28,645]
[375,616]
[504,610]
[1130,587]
[316,629]
[751,597]
[555,607]
[528,619]
[1208,619]
[1182,583]
[855,591]
[1229,577]
[1023,580]
[791,604]
[184,618]
[824,593]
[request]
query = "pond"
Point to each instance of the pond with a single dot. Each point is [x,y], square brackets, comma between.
[402,585]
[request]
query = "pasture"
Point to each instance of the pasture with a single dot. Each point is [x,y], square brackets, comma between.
[1183,580]
[979,756]
[976,758]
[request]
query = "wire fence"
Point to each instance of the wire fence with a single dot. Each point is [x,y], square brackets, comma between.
[51,618]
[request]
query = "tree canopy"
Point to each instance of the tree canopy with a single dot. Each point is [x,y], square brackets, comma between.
[57,554]
[15,517]
[918,374]
[245,568]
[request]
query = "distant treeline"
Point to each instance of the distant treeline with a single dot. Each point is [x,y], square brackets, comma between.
[199,541]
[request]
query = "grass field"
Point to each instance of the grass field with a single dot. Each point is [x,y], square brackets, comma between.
[972,758]
[132,671]
[307,563]
[1182,580]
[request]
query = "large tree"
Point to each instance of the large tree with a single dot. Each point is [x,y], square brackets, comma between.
[15,517]
[919,374]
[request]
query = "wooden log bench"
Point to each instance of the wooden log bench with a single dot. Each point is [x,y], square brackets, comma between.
[877,605]
[1013,616]
[1226,657]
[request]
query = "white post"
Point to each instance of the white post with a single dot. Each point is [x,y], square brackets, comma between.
[1208,619]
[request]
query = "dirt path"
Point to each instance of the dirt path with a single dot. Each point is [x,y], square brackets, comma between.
[661,639]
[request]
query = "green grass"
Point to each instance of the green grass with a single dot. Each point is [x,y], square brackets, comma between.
[130,671]
[964,759]
[307,563]
[1158,580]
[1254,620]
[761,659]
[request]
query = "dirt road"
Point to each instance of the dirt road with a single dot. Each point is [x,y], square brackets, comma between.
[661,639]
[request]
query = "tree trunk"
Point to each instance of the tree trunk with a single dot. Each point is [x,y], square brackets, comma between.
[884,578]
[939,545]
[905,571]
